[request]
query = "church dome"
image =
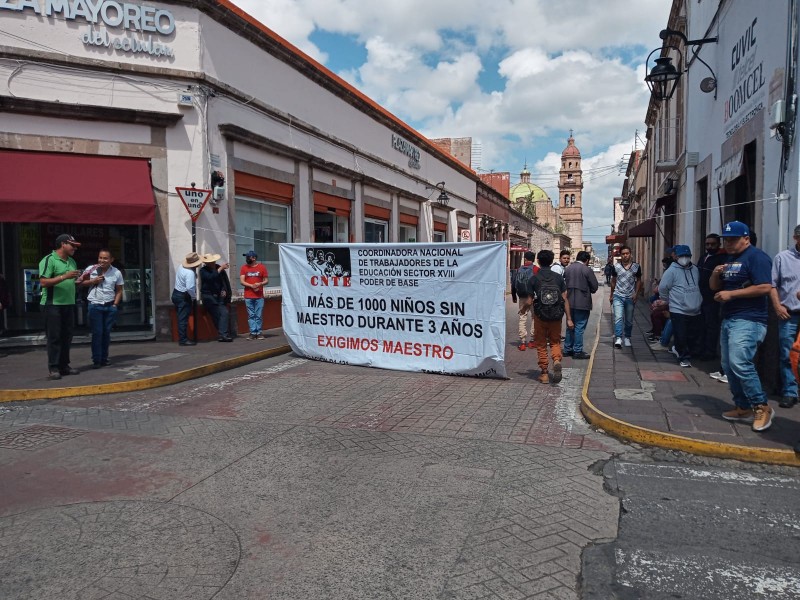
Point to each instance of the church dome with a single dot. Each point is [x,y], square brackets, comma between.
[571,150]
[524,190]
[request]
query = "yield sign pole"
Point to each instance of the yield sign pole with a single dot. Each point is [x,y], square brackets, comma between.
[195,201]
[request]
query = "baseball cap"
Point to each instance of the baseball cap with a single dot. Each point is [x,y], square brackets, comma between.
[66,238]
[735,229]
[250,254]
[682,250]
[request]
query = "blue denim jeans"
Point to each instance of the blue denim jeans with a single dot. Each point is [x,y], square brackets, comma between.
[255,308]
[623,312]
[183,308]
[666,334]
[573,339]
[216,307]
[101,320]
[787,330]
[739,339]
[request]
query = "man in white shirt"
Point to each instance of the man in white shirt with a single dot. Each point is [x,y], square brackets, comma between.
[106,282]
[184,293]
[563,260]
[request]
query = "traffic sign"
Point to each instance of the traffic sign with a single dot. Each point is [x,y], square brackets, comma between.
[194,200]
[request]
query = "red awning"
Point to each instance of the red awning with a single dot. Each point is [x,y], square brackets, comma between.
[618,238]
[644,229]
[48,187]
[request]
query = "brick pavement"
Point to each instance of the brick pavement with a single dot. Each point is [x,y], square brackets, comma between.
[337,481]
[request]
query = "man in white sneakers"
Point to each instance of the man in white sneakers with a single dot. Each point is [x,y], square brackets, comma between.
[626,287]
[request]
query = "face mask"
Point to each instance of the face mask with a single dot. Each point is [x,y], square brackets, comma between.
[710,251]
[684,261]
[250,261]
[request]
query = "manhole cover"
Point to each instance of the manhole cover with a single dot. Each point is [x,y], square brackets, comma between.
[115,549]
[36,437]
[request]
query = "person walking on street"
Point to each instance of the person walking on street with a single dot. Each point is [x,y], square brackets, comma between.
[57,274]
[742,286]
[680,285]
[710,308]
[626,287]
[608,270]
[581,284]
[550,304]
[523,290]
[785,287]
[184,294]
[253,277]
[214,293]
[105,295]
[563,262]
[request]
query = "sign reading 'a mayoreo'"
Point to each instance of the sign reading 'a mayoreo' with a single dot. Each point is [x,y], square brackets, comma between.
[142,19]
[435,308]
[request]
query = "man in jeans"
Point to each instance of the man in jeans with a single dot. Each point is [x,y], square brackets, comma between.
[253,277]
[626,287]
[581,284]
[742,286]
[785,286]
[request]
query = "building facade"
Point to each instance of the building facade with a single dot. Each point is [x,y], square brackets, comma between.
[106,112]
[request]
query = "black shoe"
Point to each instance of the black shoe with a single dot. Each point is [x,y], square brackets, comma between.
[187,343]
[105,363]
[581,356]
[797,447]
[225,339]
[568,353]
[69,371]
[787,401]
[54,375]
[96,365]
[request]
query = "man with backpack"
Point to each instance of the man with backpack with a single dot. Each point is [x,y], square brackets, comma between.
[521,288]
[550,304]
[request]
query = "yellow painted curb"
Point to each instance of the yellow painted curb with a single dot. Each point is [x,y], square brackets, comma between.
[660,439]
[141,384]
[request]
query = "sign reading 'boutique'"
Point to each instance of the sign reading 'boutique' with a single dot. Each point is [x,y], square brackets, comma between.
[111,14]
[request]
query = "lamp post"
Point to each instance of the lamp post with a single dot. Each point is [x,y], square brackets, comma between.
[662,80]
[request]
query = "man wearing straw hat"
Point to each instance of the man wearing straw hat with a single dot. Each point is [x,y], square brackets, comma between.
[214,291]
[184,293]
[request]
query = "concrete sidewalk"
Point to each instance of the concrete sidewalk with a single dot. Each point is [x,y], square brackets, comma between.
[134,366]
[641,394]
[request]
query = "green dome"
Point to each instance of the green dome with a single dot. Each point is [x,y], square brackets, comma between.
[524,190]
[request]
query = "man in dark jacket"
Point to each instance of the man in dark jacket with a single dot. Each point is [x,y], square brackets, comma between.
[710,308]
[581,284]
[215,293]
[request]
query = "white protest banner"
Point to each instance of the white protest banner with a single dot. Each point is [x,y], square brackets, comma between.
[437,308]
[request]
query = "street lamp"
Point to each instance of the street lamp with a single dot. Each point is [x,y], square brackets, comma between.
[662,80]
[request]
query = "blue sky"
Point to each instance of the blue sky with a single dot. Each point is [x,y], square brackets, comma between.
[514,75]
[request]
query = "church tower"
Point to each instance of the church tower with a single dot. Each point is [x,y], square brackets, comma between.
[570,190]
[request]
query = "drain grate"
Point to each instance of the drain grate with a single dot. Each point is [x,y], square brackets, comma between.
[36,437]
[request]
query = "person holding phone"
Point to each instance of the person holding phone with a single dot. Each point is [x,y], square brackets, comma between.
[105,296]
[57,274]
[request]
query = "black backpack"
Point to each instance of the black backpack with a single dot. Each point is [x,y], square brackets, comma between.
[549,304]
[522,281]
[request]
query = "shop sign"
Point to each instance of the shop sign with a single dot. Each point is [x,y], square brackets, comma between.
[466,235]
[194,200]
[746,96]
[407,148]
[410,307]
[729,170]
[123,15]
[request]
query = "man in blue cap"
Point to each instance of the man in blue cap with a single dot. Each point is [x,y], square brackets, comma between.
[743,285]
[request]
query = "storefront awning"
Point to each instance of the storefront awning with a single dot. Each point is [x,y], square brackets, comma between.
[662,202]
[644,229]
[48,187]
[618,238]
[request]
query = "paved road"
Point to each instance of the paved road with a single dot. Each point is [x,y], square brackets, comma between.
[726,530]
[295,479]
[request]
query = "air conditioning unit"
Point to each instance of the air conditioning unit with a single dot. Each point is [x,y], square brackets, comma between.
[691,159]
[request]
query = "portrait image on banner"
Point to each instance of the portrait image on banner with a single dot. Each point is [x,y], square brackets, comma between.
[435,308]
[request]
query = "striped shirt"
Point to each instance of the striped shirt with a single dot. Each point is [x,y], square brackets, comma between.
[626,279]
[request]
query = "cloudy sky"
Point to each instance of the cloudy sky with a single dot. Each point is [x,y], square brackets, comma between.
[515,75]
